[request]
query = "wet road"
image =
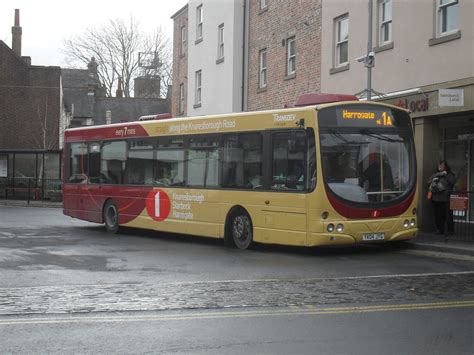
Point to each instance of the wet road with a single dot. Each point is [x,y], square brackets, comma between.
[149,292]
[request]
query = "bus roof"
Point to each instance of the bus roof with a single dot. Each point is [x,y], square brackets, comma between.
[285,118]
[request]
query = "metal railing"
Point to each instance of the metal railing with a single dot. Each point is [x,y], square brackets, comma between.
[462,207]
[23,188]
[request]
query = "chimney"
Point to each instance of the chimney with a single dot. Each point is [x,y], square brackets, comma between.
[119,92]
[92,67]
[16,34]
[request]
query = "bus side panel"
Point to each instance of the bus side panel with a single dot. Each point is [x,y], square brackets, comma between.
[204,212]
[130,200]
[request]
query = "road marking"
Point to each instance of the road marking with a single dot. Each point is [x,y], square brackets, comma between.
[240,314]
[437,254]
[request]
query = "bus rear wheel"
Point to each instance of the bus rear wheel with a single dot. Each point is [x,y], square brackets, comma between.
[241,230]
[111,217]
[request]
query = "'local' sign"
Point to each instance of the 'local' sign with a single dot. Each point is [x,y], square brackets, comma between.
[451,97]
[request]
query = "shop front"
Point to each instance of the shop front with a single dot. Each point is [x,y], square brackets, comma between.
[443,118]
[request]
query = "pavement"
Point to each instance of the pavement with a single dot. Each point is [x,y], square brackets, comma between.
[424,241]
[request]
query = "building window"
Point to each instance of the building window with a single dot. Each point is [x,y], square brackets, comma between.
[199,22]
[448,16]
[262,68]
[263,4]
[385,16]
[197,96]
[291,56]
[342,40]
[220,42]
[183,40]
[181,99]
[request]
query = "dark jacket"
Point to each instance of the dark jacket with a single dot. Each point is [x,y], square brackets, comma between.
[441,184]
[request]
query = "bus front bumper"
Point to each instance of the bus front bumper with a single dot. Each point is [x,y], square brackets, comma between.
[316,239]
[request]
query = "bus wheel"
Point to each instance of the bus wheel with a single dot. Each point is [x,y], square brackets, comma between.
[111,217]
[241,229]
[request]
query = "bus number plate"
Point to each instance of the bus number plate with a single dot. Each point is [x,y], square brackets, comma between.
[373,236]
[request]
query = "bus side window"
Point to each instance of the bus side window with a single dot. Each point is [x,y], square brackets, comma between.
[94,163]
[140,162]
[78,163]
[242,161]
[170,161]
[203,162]
[289,164]
[311,185]
[113,159]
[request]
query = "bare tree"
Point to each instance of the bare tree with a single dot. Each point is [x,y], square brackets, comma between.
[46,136]
[117,47]
[46,133]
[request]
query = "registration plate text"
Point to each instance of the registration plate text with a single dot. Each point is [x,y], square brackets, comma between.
[373,236]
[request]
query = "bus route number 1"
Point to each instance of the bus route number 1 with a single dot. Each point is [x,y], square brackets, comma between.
[158,205]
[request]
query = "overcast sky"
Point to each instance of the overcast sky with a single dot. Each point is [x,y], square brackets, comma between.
[46,23]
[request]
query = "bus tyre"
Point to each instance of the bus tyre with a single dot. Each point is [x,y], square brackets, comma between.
[111,217]
[241,230]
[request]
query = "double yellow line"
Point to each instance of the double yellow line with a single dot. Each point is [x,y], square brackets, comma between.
[289,311]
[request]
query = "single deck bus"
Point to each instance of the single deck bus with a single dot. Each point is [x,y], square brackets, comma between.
[328,174]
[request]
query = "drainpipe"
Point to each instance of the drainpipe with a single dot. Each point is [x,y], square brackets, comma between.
[244,51]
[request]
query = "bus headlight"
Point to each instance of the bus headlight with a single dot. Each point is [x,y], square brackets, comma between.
[406,223]
[413,223]
[330,228]
[340,227]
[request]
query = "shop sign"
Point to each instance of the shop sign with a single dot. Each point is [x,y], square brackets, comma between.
[451,97]
[459,202]
[421,105]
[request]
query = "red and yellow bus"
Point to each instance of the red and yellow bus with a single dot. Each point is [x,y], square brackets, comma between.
[328,174]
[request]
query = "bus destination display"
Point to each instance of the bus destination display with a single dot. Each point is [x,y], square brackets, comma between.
[355,117]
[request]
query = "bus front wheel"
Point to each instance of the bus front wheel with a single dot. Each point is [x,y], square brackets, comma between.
[240,229]
[111,217]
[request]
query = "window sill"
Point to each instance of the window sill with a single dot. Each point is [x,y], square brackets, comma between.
[261,11]
[290,76]
[383,47]
[259,90]
[199,40]
[339,69]
[197,105]
[220,60]
[445,38]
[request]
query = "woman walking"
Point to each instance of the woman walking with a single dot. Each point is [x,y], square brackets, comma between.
[441,185]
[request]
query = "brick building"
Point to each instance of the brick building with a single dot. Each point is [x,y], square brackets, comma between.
[284,52]
[180,63]
[31,115]
[30,103]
